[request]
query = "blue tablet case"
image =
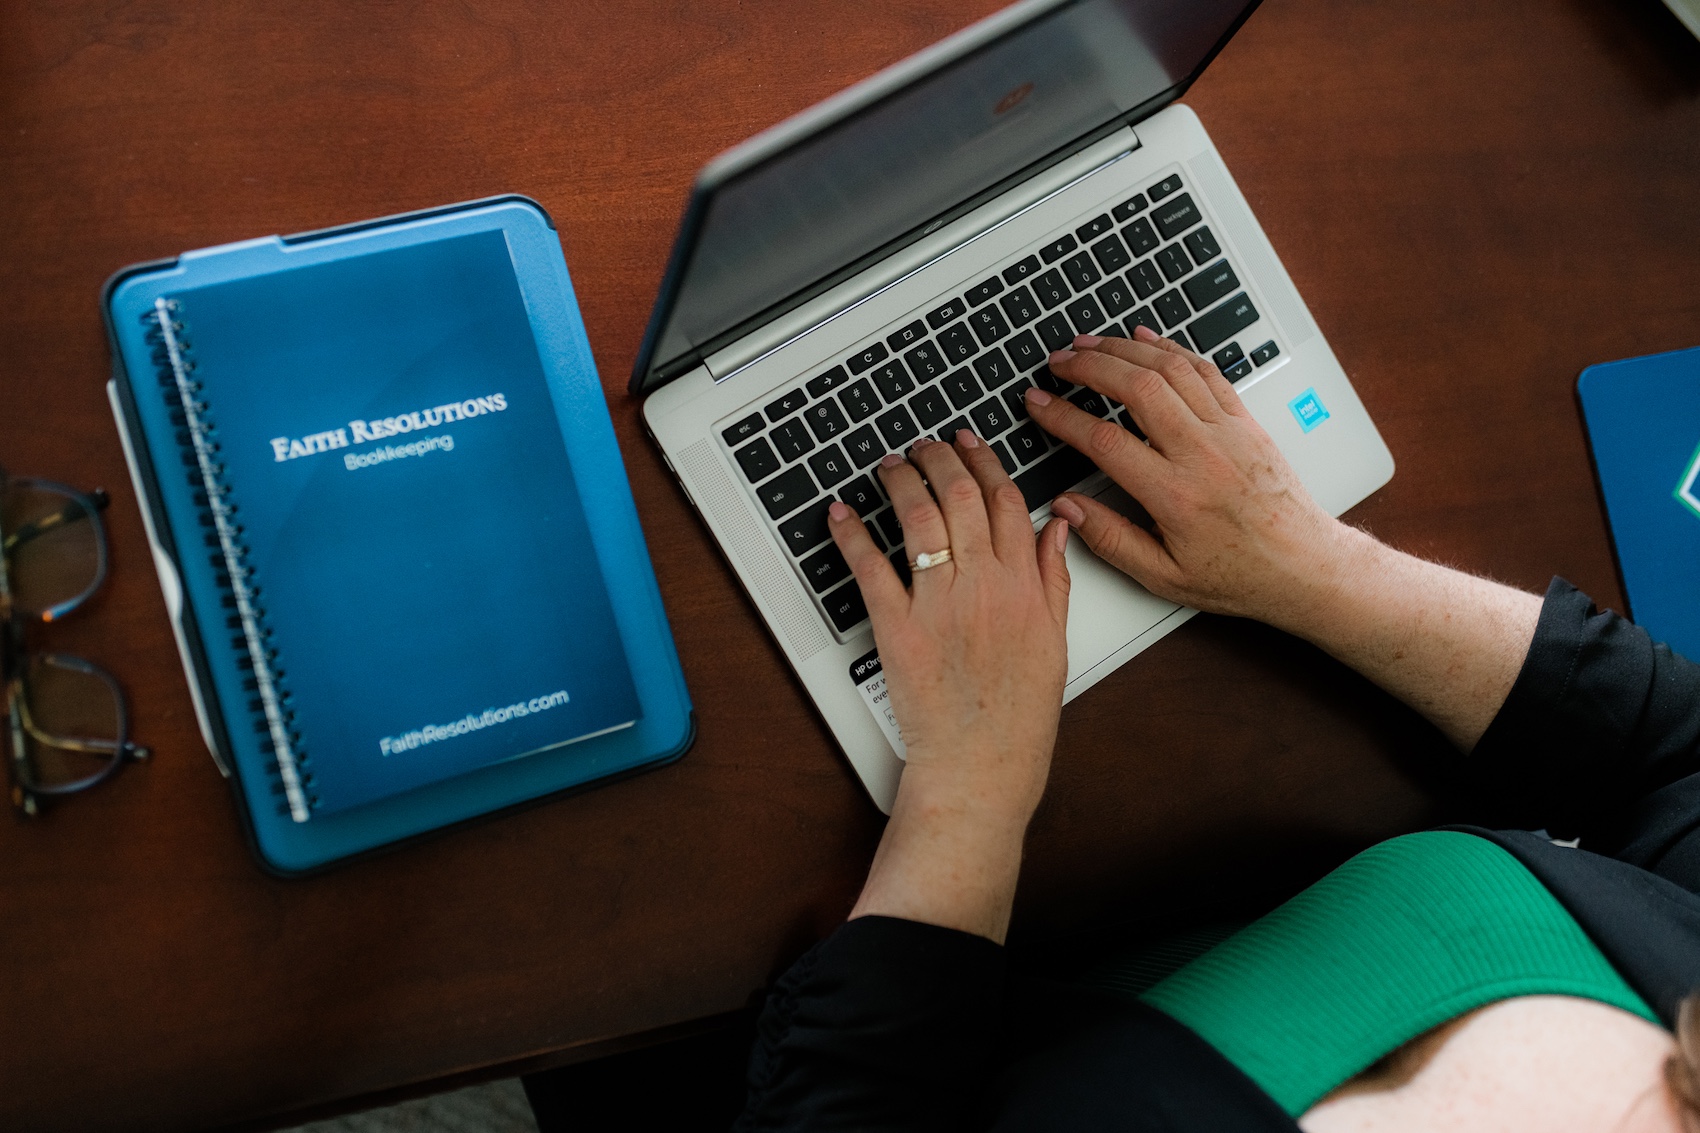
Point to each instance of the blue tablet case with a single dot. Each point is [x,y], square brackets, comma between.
[392,525]
[1643,421]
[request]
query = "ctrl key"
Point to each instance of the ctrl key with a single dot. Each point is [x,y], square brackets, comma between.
[844,607]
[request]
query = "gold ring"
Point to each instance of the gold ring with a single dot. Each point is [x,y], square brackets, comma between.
[927,560]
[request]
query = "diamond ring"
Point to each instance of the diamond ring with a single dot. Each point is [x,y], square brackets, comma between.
[927,560]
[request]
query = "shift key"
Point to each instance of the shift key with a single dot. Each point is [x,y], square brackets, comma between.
[1211,330]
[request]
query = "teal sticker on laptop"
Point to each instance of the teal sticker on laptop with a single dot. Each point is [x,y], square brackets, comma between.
[1308,409]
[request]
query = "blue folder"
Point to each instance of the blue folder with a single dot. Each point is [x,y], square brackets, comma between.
[392,525]
[1643,421]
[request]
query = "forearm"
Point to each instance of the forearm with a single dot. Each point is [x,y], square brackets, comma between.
[1447,643]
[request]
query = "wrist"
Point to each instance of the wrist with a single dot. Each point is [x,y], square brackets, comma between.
[1323,582]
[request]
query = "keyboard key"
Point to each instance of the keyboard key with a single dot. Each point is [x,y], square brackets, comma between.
[1092,402]
[1238,370]
[898,429]
[874,536]
[1084,313]
[1094,228]
[1143,318]
[1224,322]
[1202,244]
[1140,236]
[1003,456]
[1111,254]
[1173,308]
[888,522]
[1116,296]
[1020,306]
[831,466]
[1055,332]
[791,439]
[859,400]
[954,309]
[1265,353]
[864,446]
[1015,273]
[930,406]
[1228,355]
[1179,339]
[961,388]
[1051,289]
[807,530]
[1130,207]
[1056,250]
[1028,443]
[1049,382]
[1166,186]
[825,420]
[1210,285]
[861,495]
[994,369]
[1173,261]
[743,430]
[825,568]
[845,608]
[831,380]
[872,356]
[1081,271]
[958,343]
[1016,398]
[1176,216]
[988,324]
[990,417]
[787,492]
[1145,279]
[757,461]
[892,380]
[1052,476]
[947,432]
[1114,330]
[926,362]
[983,291]
[905,337]
[786,405]
[1025,351]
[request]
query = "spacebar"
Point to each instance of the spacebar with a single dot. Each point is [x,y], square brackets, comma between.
[1058,472]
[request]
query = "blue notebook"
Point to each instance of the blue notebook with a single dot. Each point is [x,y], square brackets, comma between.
[393,525]
[1643,420]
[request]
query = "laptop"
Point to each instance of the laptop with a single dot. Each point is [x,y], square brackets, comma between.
[899,260]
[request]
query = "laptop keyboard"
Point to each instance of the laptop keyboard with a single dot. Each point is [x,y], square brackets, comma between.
[967,363]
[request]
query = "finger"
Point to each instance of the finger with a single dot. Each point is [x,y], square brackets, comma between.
[1219,387]
[922,522]
[1181,369]
[1116,539]
[959,497]
[1006,509]
[1156,404]
[882,591]
[1128,461]
[1053,567]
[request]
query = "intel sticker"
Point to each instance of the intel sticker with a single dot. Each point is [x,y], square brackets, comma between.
[1307,407]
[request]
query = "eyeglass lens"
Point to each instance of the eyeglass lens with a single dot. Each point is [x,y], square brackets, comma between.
[53,547]
[73,720]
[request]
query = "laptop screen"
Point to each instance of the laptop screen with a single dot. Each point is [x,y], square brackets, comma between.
[770,226]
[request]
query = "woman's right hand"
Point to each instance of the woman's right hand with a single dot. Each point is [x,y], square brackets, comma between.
[1235,531]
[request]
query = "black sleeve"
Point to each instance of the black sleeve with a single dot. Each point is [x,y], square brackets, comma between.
[1600,735]
[886,1025]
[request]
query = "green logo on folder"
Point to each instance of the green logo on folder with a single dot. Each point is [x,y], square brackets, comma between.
[1685,494]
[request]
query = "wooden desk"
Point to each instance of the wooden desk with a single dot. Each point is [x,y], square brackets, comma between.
[1477,197]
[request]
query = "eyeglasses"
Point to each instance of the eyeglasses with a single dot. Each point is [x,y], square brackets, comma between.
[68,726]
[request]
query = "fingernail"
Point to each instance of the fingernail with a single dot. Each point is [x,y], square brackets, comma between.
[967,439]
[1068,509]
[839,512]
[1062,534]
[1037,396]
[1061,356]
[1087,341]
[1145,334]
[890,460]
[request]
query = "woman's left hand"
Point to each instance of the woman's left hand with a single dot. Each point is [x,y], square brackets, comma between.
[975,659]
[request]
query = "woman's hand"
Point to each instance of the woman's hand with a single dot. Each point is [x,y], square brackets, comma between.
[1234,529]
[975,659]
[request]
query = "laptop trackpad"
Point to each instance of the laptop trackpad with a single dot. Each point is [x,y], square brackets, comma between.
[1106,608]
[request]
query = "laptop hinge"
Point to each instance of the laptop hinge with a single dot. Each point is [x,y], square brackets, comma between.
[792,325]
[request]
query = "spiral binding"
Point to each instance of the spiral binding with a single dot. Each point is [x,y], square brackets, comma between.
[272,718]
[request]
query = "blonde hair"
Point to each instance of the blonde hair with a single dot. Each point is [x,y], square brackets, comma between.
[1682,1068]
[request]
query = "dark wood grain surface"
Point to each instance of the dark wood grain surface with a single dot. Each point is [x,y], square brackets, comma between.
[1477,198]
